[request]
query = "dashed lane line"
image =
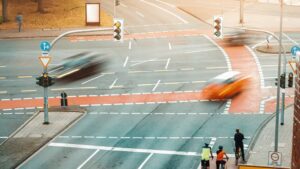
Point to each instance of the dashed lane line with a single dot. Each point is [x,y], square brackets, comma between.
[24,77]
[126,61]
[28,91]
[156,85]
[167,64]
[170,46]
[92,79]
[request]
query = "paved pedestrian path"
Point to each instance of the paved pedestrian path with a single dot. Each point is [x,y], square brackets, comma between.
[265,141]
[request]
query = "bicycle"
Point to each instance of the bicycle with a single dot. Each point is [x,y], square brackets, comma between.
[204,164]
[223,165]
[237,155]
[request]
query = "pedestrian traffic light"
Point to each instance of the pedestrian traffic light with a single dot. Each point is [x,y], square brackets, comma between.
[218,26]
[118,29]
[291,79]
[39,81]
[282,80]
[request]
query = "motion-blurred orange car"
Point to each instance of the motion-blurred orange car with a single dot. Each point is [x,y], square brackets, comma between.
[226,85]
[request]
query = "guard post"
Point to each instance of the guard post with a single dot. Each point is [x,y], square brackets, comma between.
[63,99]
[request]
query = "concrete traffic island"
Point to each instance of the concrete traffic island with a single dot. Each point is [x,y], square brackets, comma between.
[33,135]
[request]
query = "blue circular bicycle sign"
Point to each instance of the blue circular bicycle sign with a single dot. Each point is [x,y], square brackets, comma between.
[294,50]
[45,46]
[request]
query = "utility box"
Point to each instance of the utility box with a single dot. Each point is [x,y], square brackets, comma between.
[92,12]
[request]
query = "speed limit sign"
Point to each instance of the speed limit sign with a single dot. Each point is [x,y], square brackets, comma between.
[275,158]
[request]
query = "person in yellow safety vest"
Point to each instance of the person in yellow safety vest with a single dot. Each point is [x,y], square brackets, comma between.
[206,152]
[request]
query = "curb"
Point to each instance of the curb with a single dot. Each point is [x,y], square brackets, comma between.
[20,160]
[259,130]
[273,49]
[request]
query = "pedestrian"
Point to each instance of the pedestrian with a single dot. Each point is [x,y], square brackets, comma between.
[19,19]
[238,139]
[221,154]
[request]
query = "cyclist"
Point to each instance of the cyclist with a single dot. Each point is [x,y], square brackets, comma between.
[238,139]
[220,157]
[206,151]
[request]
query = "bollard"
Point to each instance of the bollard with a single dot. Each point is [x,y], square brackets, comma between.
[64,99]
[19,19]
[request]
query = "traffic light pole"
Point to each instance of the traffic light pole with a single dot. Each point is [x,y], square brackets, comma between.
[46,116]
[284,67]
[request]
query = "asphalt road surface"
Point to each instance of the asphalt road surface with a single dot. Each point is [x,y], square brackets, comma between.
[148,135]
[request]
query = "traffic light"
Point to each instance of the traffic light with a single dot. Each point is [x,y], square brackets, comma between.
[282,80]
[45,80]
[39,81]
[218,26]
[276,81]
[117,2]
[291,79]
[118,29]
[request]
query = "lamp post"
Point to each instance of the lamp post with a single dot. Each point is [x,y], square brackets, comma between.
[278,76]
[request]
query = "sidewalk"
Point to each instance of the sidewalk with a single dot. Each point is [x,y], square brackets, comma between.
[33,135]
[265,141]
[256,15]
[45,33]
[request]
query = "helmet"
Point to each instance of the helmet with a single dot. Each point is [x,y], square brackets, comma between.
[206,144]
[220,147]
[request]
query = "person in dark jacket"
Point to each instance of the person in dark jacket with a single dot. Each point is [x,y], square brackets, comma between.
[238,139]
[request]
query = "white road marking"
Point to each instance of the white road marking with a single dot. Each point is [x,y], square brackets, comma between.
[123,5]
[140,14]
[170,46]
[270,78]
[167,64]
[165,10]
[1,78]
[199,51]
[121,149]
[143,62]
[88,159]
[75,88]
[212,142]
[3,92]
[126,61]
[222,50]
[2,66]
[155,85]
[23,77]
[289,38]
[92,79]
[145,161]
[170,5]
[129,45]
[261,75]
[114,82]
[227,106]
[216,67]
[3,137]
[28,91]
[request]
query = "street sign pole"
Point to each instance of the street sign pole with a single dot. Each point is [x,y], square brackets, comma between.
[45,47]
[46,116]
